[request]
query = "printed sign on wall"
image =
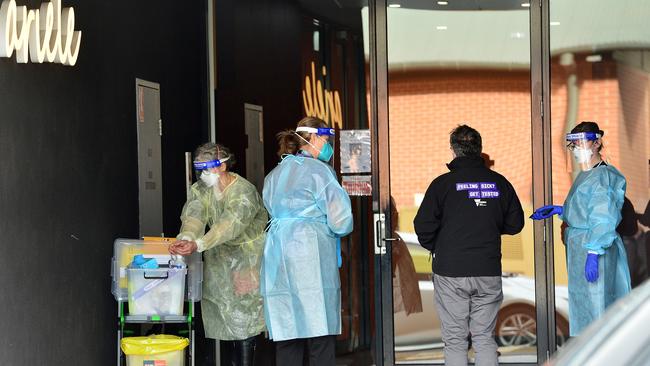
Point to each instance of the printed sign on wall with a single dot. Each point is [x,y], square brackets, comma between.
[355,151]
[357,185]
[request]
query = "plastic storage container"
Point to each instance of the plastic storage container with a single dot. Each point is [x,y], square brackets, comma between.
[125,249]
[156,291]
[155,350]
[139,261]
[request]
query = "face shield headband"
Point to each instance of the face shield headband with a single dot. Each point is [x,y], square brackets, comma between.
[203,165]
[582,136]
[321,131]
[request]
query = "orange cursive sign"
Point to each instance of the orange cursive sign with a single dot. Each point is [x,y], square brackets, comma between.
[321,103]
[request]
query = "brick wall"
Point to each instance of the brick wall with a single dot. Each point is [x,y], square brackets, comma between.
[634,134]
[425,107]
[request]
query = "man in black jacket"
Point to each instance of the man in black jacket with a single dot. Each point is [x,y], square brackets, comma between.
[461,220]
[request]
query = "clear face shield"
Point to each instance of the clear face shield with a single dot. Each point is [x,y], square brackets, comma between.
[326,133]
[580,151]
[204,170]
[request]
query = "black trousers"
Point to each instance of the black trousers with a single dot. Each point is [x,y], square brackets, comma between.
[238,353]
[321,351]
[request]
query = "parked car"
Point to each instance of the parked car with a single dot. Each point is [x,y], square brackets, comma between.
[620,337]
[516,323]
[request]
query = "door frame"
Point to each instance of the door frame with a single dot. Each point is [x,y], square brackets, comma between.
[383,301]
[541,175]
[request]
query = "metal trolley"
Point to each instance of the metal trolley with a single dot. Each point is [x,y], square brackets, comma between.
[123,252]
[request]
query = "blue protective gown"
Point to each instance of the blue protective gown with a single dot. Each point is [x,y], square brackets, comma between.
[300,278]
[592,211]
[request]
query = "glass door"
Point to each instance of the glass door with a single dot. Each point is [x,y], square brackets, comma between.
[453,64]
[434,66]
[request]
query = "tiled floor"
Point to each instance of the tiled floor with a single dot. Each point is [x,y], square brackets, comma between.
[508,354]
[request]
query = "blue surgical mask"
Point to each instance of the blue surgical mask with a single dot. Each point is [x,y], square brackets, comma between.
[326,153]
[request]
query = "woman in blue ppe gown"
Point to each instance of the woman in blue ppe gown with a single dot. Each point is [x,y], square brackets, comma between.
[596,257]
[300,278]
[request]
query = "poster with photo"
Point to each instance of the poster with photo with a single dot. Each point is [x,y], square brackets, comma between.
[355,151]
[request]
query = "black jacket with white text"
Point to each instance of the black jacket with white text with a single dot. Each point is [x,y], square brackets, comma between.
[462,217]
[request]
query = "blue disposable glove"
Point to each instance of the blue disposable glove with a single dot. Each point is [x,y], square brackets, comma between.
[546,212]
[591,267]
[339,258]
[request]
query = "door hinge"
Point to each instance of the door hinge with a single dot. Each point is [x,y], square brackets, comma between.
[541,107]
[160,127]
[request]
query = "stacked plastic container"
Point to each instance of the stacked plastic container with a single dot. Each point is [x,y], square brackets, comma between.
[158,291]
[156,286]
[154,291]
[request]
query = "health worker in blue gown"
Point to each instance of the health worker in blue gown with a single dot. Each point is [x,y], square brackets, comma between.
[596,257]
[309,212]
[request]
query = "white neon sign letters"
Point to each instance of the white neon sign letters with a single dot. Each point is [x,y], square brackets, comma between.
[39,35]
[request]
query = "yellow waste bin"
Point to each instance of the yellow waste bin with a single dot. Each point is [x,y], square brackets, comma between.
[155,350]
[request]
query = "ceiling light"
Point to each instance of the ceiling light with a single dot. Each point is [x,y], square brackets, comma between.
[441,27]
[517,35]
[555,23]
[394,6]
[442,3]
[526,5]
[594,58]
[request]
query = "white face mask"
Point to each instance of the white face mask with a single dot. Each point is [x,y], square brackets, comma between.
[582,155]
[210,179]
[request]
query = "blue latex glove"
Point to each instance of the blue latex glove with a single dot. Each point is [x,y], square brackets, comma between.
[591,267]
[546,212]
[339,258]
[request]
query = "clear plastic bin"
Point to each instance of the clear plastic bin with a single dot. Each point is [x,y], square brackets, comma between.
[125,249]
[156,291]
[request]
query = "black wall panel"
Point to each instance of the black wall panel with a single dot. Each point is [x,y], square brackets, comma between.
[68,171]
[259,62]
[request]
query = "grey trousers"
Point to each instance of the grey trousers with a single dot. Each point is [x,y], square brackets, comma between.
[468,305]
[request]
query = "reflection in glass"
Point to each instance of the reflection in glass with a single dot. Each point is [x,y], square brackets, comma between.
[600,72]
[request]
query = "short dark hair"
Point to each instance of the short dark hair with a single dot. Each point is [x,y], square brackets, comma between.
[465,141]
[588,126]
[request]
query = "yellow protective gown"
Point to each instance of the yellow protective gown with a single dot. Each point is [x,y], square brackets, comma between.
[232,251]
